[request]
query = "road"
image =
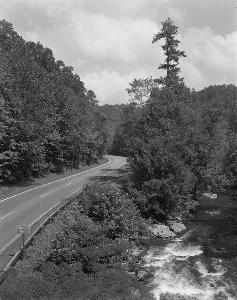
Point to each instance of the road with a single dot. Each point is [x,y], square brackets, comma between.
[24,208]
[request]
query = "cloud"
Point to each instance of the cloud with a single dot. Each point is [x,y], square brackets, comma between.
[111,86]
[219,15]
[108,42]
[212,57]
[114,42]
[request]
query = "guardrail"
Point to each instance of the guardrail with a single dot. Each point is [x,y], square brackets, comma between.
[35,228]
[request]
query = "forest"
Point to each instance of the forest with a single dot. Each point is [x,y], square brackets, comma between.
[179,143]
[47,114]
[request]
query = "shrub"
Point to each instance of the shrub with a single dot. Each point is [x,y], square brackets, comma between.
[110,207]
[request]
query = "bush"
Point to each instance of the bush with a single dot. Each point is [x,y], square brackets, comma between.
[68,282]
[110,207]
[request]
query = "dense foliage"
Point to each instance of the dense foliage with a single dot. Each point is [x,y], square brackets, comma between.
[180,142]
[86,253]
[113,115]
[47,115]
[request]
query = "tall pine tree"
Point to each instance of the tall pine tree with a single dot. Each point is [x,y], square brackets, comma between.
[172,54]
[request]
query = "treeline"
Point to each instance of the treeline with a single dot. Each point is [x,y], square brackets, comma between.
[114,117]
[47,114]
[180,143]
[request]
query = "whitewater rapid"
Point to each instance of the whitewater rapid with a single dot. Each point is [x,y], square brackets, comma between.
[180,272]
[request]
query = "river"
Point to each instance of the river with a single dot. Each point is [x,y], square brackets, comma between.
[202,263]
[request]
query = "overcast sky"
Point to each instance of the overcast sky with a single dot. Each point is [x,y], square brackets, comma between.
[108,42]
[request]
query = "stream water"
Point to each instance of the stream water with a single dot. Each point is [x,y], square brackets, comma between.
[202,263]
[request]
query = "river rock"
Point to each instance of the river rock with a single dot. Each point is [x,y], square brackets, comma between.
[141,274]
[210,195]
[136,251]
[162,231]
[176,226]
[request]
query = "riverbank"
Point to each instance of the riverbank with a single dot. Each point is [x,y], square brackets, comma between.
[200,264]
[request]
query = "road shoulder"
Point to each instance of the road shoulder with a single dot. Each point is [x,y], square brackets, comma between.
[11,190]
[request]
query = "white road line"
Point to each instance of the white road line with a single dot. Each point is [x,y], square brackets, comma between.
[42,196]
[7,215]
[62,179]
[110,172]
[69,183]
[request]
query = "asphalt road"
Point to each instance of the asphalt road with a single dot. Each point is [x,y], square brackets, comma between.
[24,208]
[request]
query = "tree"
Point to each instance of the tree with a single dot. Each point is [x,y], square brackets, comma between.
[171,51]
[139,90]
[113,117]
[127,130]
[160,173]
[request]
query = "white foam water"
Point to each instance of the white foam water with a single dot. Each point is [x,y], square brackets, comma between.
[214,212]
[174,266]
[179,250]
[204,272]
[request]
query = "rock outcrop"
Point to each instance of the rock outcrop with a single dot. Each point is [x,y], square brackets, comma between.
[162,231]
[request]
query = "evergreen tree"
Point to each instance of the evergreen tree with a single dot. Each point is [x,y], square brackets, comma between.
[171,52]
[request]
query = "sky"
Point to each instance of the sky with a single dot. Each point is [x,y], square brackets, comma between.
[109,42]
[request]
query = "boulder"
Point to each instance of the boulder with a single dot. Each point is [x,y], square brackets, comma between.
[210,195]
[162,231]
[176,226]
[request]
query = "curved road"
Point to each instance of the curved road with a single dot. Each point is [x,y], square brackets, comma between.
[24,208]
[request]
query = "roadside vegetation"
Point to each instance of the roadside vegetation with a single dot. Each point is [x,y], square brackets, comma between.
[88,252]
